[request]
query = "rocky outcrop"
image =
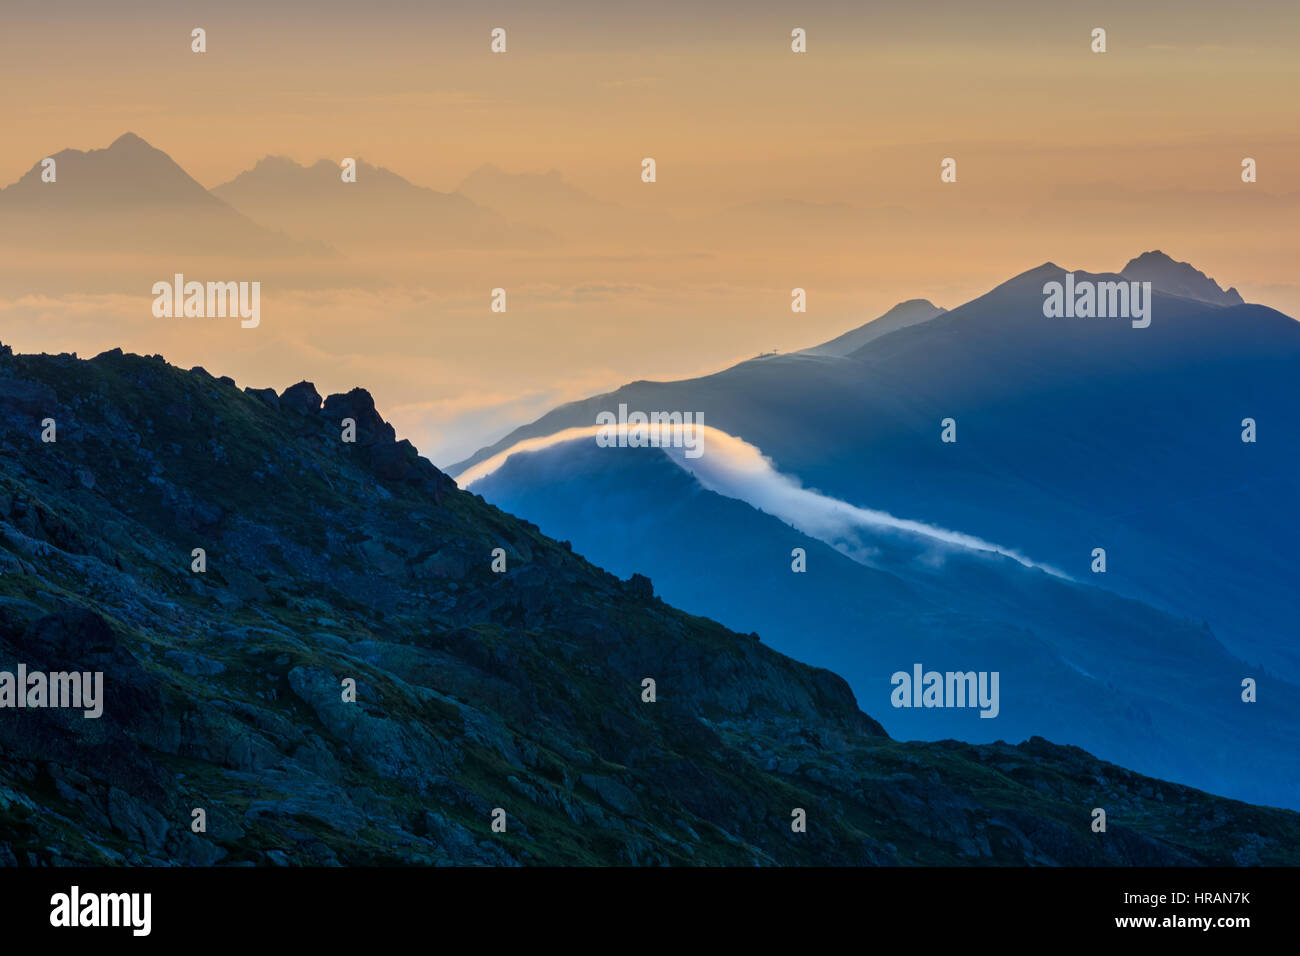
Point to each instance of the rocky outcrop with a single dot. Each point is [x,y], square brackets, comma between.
[301,398]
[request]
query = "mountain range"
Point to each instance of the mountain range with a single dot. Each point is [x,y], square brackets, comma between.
[379,211]
[131,197]
[319,651]
[1072,435]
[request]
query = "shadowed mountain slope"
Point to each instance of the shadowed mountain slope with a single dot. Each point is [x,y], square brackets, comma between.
[1072,434]
[1078,664]
[522,690]
[899,317]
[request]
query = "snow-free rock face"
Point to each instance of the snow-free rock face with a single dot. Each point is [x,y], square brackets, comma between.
[340,676]
[301,398]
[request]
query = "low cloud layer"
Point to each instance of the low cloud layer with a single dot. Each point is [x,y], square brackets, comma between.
[736,469]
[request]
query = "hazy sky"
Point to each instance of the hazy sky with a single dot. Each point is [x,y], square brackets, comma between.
[1066,155]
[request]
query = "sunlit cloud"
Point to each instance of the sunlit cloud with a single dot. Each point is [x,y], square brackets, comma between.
[734,468]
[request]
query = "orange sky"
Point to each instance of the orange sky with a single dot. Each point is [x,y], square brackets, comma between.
[1081,158]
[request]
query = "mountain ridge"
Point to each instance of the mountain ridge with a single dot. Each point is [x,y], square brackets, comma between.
[905,313]
[1179,278]
[520,690]
[1073,434]
[380,209]
[1030,279]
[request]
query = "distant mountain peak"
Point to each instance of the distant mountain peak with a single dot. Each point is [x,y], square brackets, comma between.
[128,169]
[277,176]
[906,313]
[131,194]
[378,207]
[129,140]
[912,306]
[276,161]
[1178,278]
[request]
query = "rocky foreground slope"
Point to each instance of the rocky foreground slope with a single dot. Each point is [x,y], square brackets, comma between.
[476,690]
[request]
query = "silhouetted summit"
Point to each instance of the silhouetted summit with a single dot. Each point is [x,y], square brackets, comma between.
[1178,278]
